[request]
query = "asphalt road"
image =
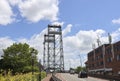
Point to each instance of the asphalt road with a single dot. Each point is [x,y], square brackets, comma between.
[74,77]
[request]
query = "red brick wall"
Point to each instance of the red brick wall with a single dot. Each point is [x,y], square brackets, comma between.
[110,59]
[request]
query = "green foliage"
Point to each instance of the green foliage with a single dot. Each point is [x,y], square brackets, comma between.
[79,68]
[18,58]
[22,77]
[84,69]
[43,75]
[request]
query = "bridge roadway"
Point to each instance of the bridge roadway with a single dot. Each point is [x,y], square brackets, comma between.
[74,77]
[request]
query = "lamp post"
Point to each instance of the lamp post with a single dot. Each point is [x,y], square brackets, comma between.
[103,50]
[33,56]
[40,69]
[69,64]
[80,60]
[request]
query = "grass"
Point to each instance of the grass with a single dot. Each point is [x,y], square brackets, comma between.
[22,77]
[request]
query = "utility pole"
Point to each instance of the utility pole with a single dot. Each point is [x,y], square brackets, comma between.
[40,69]
[33,57]
[112,46]
[98,41]
[93,47]
[103,50]
[80,60]
[69,64]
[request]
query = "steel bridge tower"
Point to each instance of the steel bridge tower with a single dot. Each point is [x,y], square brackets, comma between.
[53,57]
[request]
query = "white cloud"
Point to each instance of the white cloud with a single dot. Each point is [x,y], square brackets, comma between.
[36,41]
[58,23]
[67,29]
[80,43]
[4,43]
[116,21]
[115,35]
[36,10]
[31,10]
[6,13]
[14,2]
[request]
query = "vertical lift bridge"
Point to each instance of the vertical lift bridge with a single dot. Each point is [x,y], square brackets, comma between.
[53,58]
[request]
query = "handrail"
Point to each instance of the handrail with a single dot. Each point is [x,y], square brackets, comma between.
[55,78]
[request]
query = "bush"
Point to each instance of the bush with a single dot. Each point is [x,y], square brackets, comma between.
[22,77]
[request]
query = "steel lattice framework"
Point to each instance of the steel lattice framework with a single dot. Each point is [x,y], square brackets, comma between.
[53,57]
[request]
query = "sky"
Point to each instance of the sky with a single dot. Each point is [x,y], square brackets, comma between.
[82,21]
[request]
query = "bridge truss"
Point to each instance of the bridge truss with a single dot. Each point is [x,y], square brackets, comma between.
[53,57]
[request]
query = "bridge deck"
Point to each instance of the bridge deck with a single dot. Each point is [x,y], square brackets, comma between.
[47,78]
[58,75]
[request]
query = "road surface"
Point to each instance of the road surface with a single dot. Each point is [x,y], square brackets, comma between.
[74,77]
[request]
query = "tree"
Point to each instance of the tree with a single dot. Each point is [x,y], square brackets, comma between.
[18,58]
[79,68]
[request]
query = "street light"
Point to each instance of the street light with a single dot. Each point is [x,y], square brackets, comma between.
[80,60]
[103,50]
[69,64]
[33,56]
[40,69]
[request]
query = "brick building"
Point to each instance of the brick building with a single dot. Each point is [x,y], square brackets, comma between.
[105,59]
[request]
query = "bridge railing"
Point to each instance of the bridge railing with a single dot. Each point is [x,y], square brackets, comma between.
[54,78]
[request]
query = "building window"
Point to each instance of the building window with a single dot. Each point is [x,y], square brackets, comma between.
[92,59]
[98,57]
[97,63]
[117,47]
[92,65]
[109,59]
[101,55]
[109,51]
[101,63]
[118,57]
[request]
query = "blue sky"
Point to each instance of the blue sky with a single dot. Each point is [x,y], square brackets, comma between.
[82,22]
[83,14]
[92,14]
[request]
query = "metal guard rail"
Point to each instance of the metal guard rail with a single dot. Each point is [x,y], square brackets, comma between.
[55,78]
